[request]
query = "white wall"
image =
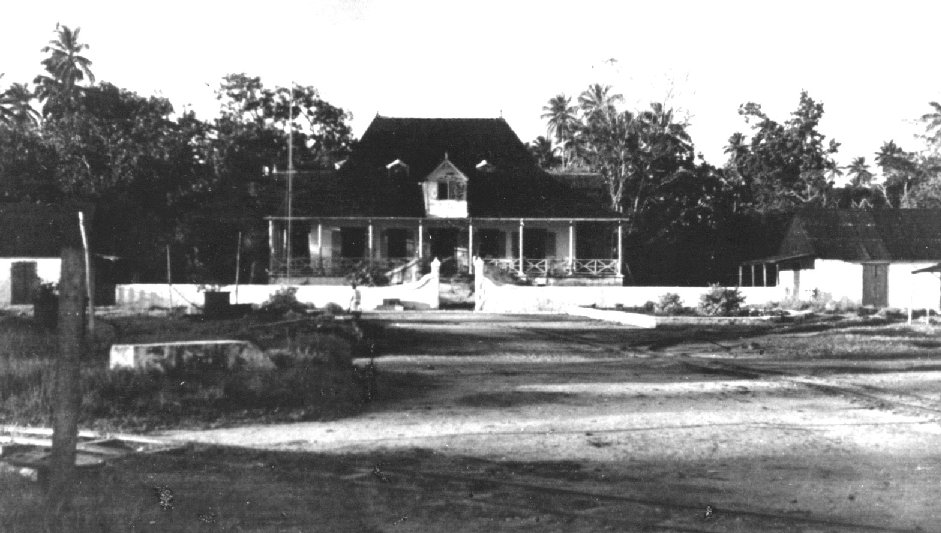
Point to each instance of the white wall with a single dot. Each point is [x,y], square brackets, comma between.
[918,291]
[422,293]
[842,280]
[47,269]
[517,299]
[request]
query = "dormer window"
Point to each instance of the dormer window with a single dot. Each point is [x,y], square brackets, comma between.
[485,166]
[452,190]
[398,163]
[445,191]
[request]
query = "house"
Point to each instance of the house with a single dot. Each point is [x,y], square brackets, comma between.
[416,189]
[864,257]
[31,240]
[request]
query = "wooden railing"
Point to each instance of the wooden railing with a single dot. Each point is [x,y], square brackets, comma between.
[558,268]
[331,266]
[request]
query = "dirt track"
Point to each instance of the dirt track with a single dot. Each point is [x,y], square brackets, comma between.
[553,424]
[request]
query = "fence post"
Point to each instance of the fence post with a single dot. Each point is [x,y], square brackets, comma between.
[436,282]
[67,399]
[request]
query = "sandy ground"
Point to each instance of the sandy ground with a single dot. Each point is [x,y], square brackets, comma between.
[546,423]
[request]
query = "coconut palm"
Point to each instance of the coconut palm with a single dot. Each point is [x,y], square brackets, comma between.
[562,122]
[860,175]
[15,108]
[544,153]
[598,103]
[933,122]
[66,68]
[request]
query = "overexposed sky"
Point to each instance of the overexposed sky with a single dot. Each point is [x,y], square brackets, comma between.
[872,64]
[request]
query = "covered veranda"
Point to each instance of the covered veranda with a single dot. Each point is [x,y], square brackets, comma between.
[552,249]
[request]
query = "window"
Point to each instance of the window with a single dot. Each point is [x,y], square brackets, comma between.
[451,190]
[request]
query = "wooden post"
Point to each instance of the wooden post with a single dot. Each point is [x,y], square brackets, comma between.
[89,285]
[67,396]
[571,247]
[169,279]
[272,247]
[369,239]
[470,246]
[752,276]
[238,265]
[521,271]
[740,275]
[764,274]
[421,239]
[620,249]
[320,244]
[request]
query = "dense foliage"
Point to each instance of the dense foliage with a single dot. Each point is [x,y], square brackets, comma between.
[160,180]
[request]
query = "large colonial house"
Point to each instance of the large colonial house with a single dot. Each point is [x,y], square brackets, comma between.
[453,189]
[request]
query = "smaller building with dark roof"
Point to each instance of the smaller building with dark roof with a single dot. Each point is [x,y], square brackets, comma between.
[865,257]
[31,240]
[415,189]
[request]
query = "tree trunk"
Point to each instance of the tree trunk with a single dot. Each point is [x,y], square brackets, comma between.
[67,385]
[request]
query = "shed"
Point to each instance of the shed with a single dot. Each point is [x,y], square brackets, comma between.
[864,257]
[31,239]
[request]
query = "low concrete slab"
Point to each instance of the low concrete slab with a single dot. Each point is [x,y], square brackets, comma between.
[166,356]
[620,317]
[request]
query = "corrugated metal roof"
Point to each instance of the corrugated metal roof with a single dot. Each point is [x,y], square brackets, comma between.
[511,185]
[859,235]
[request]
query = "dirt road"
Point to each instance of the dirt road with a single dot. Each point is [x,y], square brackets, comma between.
[553,424]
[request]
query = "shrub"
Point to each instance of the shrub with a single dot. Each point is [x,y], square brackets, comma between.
[368,275]
[721,301]
[669,304]
[283,301]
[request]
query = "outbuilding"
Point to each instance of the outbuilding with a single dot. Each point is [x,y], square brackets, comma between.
[31,239]
[861,257]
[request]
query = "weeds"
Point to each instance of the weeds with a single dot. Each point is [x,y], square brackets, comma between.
[312,379]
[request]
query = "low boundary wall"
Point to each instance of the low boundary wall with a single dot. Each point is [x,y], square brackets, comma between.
[421,294]
[524,299]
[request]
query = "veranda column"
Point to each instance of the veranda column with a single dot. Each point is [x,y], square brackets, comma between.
[521,247]
[470,246]
[571,246]
[320,244]
[740,275]
[421,241]
[620,249]
[753,275]
[764,274]
[369,241]
[272,248]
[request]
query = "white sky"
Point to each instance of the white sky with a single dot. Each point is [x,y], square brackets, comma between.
[872,64]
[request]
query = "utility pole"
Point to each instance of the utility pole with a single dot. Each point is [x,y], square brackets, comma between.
[290,173]
[67,396]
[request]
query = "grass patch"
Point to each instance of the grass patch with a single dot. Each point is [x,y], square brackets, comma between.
[314,378]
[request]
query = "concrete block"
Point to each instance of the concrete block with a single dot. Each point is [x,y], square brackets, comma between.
[167,356]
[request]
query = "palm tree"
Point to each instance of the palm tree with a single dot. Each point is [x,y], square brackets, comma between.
[66,67]
[597,103]
[15,108]
[562,121]
[933,122]
[544,153]
[860,175]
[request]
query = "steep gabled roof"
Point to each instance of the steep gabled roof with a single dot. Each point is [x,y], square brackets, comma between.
[510,185]
[858,235]
[32,230]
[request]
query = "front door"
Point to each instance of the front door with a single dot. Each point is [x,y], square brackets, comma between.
[23,282]
[876,285]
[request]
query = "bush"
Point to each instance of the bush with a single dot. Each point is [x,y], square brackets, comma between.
[669,304]
[721,301]
[367,274]
[283,301]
